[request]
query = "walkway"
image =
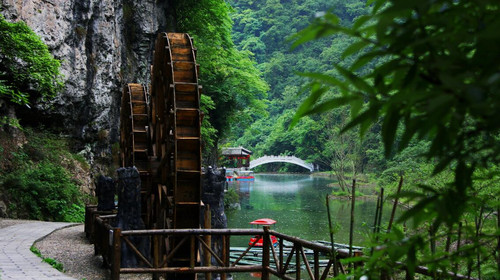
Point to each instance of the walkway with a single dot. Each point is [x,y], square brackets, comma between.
[16,259]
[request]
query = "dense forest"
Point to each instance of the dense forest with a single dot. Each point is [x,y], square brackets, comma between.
[380,91]
[266,29]
[390,91]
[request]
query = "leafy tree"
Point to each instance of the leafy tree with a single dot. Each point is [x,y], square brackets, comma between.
[435,76]
[28,72]
[263,27]
[230,79]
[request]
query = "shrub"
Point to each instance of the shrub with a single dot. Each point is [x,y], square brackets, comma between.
[230,197]
[44,191]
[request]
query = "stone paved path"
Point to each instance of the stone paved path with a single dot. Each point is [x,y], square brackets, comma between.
[16,259]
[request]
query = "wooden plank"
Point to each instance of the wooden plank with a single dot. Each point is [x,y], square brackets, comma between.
[116,263]
[219,269]
[136,251]
[265,253]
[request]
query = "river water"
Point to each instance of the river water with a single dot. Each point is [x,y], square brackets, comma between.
[297,203]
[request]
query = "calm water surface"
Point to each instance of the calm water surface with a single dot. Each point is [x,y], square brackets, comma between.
[297,203]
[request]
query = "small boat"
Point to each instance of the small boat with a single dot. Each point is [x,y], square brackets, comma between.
[244,175]
[257,241]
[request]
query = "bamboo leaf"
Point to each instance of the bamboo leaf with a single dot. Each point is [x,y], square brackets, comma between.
[411,262]
[389,128]
[356,81]
[330,105]
[417,210]
[316,92]
[369,116]
[354,48]
[365,59]
[442,164]
[361,20]
[326,79]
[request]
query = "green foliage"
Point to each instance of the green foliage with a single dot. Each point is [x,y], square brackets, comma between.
[423,75]
[13,122]
[230,197]
[438,87]
[28,72]
[233,88]
[346,193]
[263,27]
[55,264]
[36,251]
[36,181]
[44,191]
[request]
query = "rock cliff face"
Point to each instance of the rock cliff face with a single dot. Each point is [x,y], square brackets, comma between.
[102,44]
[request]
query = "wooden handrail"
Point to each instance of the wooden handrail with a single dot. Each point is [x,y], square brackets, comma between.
[176,232]
[279,267]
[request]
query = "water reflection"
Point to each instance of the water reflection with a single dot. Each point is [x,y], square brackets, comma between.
[297,203]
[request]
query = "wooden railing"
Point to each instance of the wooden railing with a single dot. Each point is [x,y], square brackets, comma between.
[275,259]
[285,262]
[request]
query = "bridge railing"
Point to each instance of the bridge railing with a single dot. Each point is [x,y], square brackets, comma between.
[290,159]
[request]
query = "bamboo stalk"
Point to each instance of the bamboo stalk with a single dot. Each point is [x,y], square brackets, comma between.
[376,214]
[334,252]
[351,226]
[458,244]
[498,244]
[448,239]
[432,240]
[381,209]
[478,232]
[377,209]
[393,212]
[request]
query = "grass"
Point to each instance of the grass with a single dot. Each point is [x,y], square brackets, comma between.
[54,263]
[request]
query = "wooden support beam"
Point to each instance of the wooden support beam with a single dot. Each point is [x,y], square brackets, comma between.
[116,262]
[265,253]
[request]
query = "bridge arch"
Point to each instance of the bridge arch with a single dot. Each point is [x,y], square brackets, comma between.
[287,159]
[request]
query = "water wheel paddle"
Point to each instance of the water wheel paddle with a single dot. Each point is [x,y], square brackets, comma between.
[160,135]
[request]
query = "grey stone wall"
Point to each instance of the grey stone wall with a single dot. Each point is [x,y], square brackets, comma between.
[103,44]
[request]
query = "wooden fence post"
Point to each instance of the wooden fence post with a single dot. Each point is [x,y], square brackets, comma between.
[208,240]
[297,260]
[265,253]
[156,255]
[117,247]
[225,254]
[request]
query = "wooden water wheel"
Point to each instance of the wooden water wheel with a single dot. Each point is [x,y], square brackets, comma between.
[160,135]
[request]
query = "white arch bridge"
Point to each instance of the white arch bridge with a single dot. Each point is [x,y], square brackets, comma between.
[289,159]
